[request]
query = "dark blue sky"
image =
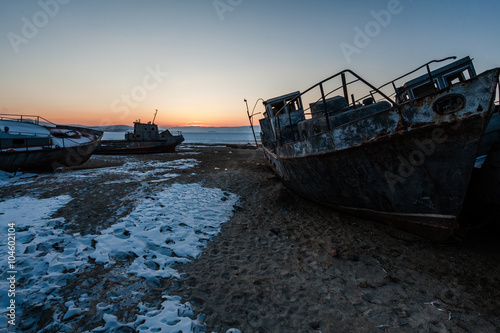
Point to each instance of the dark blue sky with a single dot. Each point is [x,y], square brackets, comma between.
[97,62]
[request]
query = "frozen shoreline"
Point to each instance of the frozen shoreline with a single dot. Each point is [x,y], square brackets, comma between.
[280,263]
[168,227]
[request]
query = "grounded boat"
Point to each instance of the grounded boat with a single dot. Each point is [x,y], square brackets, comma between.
[405,159]
[33,143]
[145,139]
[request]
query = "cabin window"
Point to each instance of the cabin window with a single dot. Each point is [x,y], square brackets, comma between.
[425,89]
[294,106]
[290,106]
[458,77]
[277,107]
[18,141]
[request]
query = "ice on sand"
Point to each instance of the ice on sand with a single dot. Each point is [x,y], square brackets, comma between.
[172,226]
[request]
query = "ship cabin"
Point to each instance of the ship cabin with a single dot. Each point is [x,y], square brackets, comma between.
[147,132]
[441,78]
[22,135]
[285,120]
[143,132]
[282,114]
[22,141]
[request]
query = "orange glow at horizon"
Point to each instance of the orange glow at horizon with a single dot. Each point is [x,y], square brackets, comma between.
[107,118]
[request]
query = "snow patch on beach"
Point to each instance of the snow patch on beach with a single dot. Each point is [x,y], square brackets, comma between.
[140,170]
[190,153]
[172,316]
[36,234]
[18,178]
[131,171]
[169,227]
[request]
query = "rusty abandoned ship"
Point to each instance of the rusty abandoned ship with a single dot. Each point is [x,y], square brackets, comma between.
[145,139]
[402,155]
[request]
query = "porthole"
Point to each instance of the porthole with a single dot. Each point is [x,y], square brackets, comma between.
[449,104]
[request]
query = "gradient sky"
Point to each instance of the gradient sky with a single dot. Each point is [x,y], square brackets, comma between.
[96,62]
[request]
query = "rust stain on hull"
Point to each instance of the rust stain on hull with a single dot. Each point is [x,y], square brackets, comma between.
[408,165]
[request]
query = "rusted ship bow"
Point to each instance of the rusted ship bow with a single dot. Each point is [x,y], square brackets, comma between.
[401,155]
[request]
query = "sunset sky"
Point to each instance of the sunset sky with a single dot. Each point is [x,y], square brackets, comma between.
[102,62]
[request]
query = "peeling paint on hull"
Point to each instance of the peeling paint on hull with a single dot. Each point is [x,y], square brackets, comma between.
[408,166]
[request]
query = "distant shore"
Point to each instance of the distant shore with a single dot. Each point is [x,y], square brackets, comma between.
[205,135]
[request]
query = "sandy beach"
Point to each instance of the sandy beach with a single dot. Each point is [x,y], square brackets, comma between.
[279,263]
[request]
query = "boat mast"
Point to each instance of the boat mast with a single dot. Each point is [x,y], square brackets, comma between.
[155,116]
[250,118]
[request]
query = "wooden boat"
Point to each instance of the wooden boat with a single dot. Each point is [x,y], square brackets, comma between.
[405,159]
[34,143]
[146,139]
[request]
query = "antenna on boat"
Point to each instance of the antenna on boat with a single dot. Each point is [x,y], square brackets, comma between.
[250,118]
[155,116]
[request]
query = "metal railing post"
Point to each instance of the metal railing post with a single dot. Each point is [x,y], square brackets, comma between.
[344,86]
[324,106]
[396,92]
[430,77]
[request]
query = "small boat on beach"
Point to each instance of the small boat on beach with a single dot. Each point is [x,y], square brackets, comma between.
[34,143]
[403,155]
[145,139]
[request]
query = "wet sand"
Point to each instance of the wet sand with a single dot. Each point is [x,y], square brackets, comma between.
[285,264]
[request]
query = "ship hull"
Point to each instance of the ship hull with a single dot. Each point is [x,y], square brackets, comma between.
[50,158]
[122,147]
[407,166]
[46,159]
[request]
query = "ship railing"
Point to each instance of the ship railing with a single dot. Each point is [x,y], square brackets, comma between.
[429,75]
[308,95]
[32,119]
[388,92]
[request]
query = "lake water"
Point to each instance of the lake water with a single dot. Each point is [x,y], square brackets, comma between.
[213,135]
